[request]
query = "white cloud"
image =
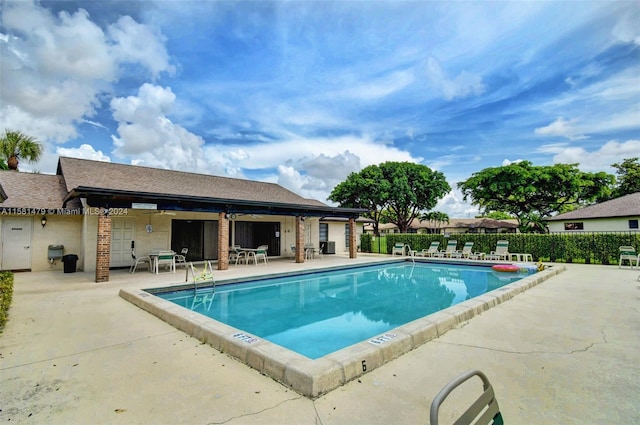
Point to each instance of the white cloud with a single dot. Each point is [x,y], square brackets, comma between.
[626,29]
[84,152]
[561,127]
[506,161]
[454,206]
[148,134]
[56,68]
[597,160]
[137,43]
[463,85]
[379,88]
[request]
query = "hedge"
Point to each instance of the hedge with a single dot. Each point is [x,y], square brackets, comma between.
[6,294]
[588,248]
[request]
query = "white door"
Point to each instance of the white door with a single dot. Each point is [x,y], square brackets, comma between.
[16,243]
[122,233]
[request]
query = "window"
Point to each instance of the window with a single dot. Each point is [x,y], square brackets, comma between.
[346,235]
[574,226]
[324,232]
[633,224]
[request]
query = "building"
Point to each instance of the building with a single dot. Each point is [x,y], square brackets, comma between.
[100,211]
[454,226]
[616,215]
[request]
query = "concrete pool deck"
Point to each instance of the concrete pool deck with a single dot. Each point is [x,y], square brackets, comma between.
[73,351]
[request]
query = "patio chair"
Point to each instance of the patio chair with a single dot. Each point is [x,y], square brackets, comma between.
[182,257]
[452,247]
[467,250]
[259,253]
[166,258]
[433,248]
[236,255]
[501,252]
[139,260]
[484,410]
[628,253]
[398,248]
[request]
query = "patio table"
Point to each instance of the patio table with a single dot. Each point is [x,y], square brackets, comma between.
[155,255]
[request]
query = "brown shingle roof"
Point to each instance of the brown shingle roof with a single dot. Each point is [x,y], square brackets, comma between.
[32,191]
[107,175]
[624,206]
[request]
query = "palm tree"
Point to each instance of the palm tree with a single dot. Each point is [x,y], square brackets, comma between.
[15,145]
[436,220]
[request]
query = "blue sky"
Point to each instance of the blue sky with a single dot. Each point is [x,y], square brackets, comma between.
[302,93]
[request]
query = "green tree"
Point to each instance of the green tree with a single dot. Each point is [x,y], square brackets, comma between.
[436,219]
[628,172]
[365,189]
[497,215]
[15,145]
[402,188]
[531,192]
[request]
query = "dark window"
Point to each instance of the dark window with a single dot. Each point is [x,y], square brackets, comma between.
[346,235]
[633,224]
[324,232]
[574,226]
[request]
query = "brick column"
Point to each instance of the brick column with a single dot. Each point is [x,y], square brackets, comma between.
[103,251]
[353,239]
[223,241]
[299,239]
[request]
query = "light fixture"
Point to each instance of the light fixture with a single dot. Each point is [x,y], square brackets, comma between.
[43,220]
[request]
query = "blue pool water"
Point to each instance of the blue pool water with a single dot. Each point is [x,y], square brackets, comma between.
[318,313]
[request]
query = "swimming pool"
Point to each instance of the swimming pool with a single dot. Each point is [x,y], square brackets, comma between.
[314,377]
[319,313]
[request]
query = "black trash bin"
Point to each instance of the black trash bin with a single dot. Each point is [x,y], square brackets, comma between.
[70,261]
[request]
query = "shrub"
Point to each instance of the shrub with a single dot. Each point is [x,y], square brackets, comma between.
[589,248]
[6,294]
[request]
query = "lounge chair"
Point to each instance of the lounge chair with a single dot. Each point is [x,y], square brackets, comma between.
[467,250]
[452,247]
[628,253]
[501,252]
[433,248]
[484,410]
[139,260]
[182,257]
[398,248]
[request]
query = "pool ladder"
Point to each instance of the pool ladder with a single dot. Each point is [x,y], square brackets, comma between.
[203,277]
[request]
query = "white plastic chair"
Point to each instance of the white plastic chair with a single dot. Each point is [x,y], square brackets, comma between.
[260,253]
[182,257]
[139,260]
[484,410]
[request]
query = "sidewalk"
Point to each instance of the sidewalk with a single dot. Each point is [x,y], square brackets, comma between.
[74,352]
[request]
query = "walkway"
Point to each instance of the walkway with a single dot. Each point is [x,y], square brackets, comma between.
[74,352]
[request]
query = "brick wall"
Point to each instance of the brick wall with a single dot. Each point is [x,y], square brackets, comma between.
[223,241]
[103,251]
[299,239]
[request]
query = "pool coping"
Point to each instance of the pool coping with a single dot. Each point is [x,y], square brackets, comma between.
[313,378]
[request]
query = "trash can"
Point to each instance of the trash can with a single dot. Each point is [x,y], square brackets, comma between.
[70,261]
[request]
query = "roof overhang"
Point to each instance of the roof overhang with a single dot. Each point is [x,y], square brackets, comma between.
[112,198]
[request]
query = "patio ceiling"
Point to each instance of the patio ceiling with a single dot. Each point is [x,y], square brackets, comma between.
[113,198]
